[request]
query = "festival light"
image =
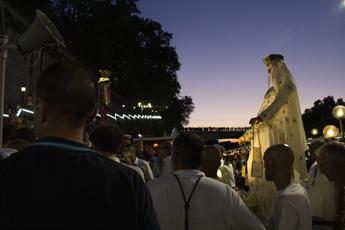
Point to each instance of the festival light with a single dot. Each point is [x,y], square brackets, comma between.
[339,113]
[330,131]
[23,89]
[314,132]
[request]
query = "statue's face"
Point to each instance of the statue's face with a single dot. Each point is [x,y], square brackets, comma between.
[269,68]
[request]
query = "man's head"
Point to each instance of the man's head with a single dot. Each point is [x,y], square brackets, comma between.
[332,161]
[106,138]
[278,160]
[66,93]
[164,149]
[188,151]
[211,161]
[314,146]
[18,122]
[126,139]
[129,153]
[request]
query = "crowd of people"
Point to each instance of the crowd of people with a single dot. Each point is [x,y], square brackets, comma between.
[57,177]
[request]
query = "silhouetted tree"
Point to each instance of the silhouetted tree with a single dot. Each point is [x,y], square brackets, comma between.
[112,35]
[177,114]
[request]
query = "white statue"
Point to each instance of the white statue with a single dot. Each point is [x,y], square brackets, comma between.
[279,121]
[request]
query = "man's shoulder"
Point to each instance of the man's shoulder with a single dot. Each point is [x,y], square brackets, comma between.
[295,195]
[87,159]
[207,183]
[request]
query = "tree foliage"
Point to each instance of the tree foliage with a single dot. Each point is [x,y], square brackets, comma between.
[109,34]
[320,114]
[177,114]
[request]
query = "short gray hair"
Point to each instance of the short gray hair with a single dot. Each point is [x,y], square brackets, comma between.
[335,150]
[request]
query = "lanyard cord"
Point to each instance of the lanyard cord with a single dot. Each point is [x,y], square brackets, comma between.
[186,202]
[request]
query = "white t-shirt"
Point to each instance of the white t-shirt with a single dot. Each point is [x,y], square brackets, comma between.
[135,168]
[214,205]
[291,210]
[226,175]
[322,194]
[145,167]
[167,166]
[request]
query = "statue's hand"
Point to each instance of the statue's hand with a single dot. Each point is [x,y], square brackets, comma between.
[255,120]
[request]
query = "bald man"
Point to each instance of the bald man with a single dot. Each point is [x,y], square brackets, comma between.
[292,207]
[211,161]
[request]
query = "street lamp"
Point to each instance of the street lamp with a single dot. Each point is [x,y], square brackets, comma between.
[330,131]
[314,132]
[22,90]
[339,113]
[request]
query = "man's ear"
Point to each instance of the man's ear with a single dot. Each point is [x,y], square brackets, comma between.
[91,117]
[41,110]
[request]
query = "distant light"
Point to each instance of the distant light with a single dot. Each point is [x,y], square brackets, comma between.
[23,89]
[123,106]
[19,112]
[314,132]
[155,145]
[28,111]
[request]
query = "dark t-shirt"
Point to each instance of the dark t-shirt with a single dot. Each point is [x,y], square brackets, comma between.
[59,184]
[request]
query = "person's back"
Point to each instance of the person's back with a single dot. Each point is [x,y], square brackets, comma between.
[212,204]
[145,167]
[322,192]
[58,182]
[63,185]
[291,210]
[291,207]
[167,167]
[226,174]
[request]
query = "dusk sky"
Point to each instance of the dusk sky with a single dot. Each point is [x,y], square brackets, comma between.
[221,45]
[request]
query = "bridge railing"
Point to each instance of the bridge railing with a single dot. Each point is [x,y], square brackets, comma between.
[214,129]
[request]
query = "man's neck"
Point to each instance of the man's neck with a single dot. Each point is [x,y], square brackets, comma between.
[63,131]
[282,183]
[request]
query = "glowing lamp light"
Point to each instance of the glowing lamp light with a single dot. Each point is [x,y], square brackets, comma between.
[23,89]
[155,145]
[339,112]
[330,131]
[314,132]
